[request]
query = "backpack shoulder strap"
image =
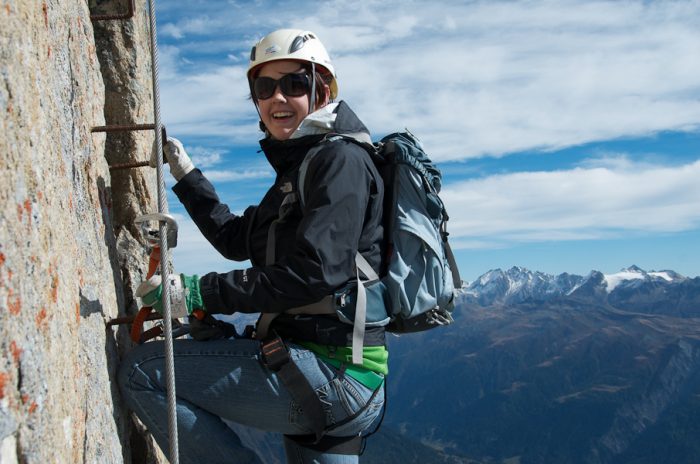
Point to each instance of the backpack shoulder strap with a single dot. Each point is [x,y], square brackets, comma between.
[360,138]
[304,168]
[361,265]
[358,330]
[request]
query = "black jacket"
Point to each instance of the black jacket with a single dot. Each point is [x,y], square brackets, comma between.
[315,245]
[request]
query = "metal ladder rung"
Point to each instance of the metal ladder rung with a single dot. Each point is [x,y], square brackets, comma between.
[125,128]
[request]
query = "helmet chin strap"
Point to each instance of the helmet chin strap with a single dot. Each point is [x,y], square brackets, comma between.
[261,124]
[312,94]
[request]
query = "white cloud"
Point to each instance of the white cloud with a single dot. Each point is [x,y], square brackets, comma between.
[526,75]
[581,203]
[171,30]
[617,161]
[193,25]
[203,157]
[472,79]
[168,58]
[214,167]
[206,102]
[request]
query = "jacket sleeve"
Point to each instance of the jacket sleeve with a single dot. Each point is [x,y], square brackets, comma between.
[338,188]
[223,229]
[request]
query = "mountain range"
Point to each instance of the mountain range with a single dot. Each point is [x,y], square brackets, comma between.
[663,292]
[539,369]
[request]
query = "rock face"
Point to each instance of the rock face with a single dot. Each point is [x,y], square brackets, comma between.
[68,251]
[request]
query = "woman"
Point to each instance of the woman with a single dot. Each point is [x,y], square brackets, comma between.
[303,240]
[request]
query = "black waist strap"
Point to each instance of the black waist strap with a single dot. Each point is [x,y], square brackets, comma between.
[351,446]
[324,330]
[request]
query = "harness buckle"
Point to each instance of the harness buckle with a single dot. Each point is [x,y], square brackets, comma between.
[275,354]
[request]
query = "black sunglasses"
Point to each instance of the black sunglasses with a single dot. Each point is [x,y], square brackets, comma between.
[292,85]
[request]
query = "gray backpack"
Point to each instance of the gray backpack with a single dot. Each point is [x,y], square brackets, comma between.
[416,289]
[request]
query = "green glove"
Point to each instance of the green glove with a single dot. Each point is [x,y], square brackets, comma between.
[185,296]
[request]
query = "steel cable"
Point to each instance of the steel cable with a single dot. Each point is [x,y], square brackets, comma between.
[165,255]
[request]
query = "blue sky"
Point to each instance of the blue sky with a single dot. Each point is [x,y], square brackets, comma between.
[568,132]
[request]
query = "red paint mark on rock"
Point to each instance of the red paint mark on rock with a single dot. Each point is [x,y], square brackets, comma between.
[54,288]
[45,10]
[27,206]
[26,399]
[16,351]
[4,378]
[41,318]
[77,312]
[7,9]
[2,264]
[14,303]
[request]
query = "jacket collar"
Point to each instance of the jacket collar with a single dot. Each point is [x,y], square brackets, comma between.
[336,118]
[319,122]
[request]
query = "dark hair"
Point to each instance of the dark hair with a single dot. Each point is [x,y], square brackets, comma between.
[322,81]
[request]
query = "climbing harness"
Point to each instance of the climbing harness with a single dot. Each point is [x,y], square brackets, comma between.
[276,357]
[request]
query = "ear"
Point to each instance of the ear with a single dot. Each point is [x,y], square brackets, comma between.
[326,96]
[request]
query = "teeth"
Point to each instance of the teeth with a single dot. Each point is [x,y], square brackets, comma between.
[285,114]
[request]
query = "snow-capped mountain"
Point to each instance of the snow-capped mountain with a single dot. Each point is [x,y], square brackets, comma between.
[634,276]
[517,285]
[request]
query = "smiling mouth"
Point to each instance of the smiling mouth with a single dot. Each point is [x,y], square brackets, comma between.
[282,115]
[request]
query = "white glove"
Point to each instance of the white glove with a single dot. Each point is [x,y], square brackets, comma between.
[176,156]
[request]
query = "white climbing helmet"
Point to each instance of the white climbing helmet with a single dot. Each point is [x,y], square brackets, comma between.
[293,44]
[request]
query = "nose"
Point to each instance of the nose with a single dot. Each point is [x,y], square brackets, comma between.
[278,95]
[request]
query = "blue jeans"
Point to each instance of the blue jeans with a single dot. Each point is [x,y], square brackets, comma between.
[225,379]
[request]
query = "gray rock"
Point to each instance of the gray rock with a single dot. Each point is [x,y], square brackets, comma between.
[69,252]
